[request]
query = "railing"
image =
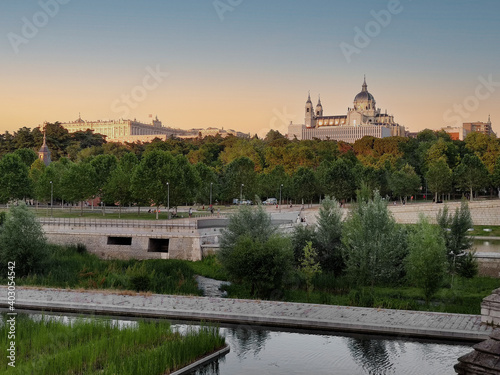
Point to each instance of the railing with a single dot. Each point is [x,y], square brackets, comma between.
[105,223]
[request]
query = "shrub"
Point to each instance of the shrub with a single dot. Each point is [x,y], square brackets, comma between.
[374,245]
[22,241]
[426,261]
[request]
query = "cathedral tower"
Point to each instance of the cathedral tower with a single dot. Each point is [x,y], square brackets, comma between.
[309,113]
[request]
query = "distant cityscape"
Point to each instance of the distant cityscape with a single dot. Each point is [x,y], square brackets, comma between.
[363,119]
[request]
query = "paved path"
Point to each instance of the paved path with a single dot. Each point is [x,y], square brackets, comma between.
[280,314]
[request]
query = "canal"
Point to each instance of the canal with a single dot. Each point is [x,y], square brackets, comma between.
[263,350]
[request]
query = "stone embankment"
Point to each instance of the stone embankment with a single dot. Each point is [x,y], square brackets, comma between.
[400,323]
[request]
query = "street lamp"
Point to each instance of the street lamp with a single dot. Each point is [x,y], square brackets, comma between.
[280,195]
[168,200]
[211,194]
[51,197]
[241,192]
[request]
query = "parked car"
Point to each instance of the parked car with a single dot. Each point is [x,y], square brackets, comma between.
[271,201]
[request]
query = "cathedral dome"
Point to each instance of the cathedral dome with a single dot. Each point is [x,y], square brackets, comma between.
[363,96]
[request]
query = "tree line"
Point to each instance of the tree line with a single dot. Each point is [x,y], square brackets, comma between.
[178,171]
[368,249]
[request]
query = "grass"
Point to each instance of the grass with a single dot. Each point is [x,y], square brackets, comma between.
[73,267]
[464,297]
[479,231]
[49,347]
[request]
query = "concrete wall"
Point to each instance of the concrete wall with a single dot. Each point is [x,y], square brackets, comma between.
[179,247]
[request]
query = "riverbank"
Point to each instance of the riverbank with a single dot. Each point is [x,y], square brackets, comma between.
[442,326]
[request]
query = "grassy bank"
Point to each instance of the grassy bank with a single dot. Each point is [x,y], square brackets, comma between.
[463,297]
[50,347]
[73,267]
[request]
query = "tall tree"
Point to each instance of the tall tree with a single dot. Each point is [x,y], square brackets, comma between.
[374,245]
[404,182]
[240,171]
[439,177]
[78,183]
[14,178]
[304,184]
[328,236]
[426,260]
[471,175]
[119,186]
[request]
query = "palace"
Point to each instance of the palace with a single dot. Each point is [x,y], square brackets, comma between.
[361,120]
[135,131]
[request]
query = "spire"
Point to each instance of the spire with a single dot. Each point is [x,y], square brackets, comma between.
[365,86]
[44,136]
[319,100]
[309,97]
[489,119]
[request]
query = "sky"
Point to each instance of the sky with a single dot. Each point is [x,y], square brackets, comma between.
[247,65]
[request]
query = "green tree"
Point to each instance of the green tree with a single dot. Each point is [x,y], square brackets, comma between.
[14,178]
[454,229]
[310,266]
[22,241]
[103,166]
[404,182]
[253,253]
[304,184]
[78,183]
[119,186]
[27,155]
[209,184]
[328,236]
[426,260]
[337,179]
[471,175]
[439,177]
[374,245]
[240,171]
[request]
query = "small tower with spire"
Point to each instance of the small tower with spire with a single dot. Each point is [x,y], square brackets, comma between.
[319,108]
[44,152]
[309,112]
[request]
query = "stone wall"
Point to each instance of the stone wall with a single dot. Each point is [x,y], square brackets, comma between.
[179,247]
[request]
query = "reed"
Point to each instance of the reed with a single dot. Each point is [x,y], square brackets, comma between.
[99,346]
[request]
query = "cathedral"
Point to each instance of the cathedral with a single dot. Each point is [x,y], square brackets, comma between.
[363,119]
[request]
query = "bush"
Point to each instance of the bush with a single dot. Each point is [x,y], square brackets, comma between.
[22,241]
[426,261]
[468,266]
[252,252]
[374,245]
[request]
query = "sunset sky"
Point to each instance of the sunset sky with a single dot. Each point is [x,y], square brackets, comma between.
[247,64]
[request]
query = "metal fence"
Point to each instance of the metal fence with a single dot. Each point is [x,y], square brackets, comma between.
[113,223]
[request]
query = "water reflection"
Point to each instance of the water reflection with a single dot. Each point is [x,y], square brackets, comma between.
[487,246]
[371,355]
[257,350]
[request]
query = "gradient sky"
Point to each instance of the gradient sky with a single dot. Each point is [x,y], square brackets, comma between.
[250,67]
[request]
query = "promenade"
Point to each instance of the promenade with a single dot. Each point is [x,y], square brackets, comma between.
[400,323]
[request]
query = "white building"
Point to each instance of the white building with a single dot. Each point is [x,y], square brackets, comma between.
[361,120]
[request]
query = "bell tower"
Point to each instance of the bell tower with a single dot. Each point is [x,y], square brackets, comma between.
[309,121]
[319,108]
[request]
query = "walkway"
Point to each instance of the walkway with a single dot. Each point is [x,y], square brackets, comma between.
[280,314]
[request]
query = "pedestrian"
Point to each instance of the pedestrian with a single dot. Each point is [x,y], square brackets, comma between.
[218,212]
[190,212]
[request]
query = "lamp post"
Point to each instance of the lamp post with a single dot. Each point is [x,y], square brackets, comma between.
[211,194]
[168,200]
[241,192]
[51,197]
[280,195]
